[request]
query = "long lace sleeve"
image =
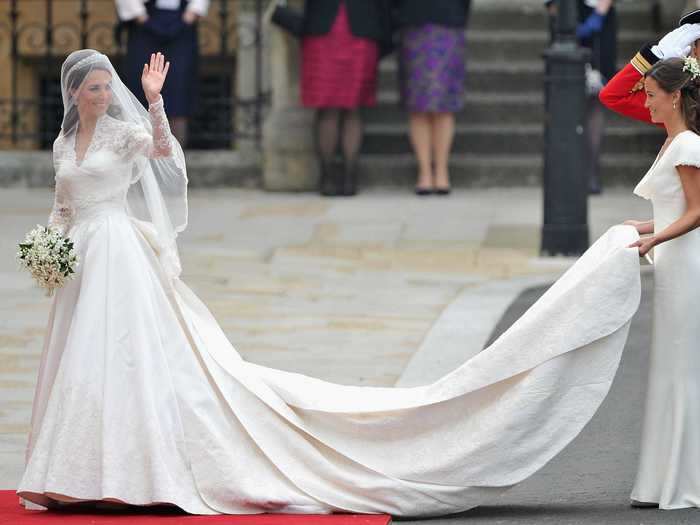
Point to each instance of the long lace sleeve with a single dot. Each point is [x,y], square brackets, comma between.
[61,213]
[156,145]
[162,137]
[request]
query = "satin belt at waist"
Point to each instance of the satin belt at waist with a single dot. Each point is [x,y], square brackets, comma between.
[99,210]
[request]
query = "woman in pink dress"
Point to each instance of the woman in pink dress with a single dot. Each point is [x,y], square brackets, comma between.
[342,43]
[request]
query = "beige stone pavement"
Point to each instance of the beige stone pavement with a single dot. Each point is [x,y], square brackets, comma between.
[342,289]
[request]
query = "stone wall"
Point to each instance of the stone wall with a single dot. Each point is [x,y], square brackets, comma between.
[289,160]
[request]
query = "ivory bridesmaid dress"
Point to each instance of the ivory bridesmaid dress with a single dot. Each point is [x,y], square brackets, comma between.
[669,464]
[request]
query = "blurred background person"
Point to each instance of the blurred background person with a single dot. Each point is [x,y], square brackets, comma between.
[597,30]
[168,26]
[341,45]
[432,70]
[625,93]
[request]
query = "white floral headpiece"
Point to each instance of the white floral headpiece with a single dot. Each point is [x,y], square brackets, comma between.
[690,64]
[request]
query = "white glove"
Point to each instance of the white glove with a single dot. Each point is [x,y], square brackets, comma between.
[677,43]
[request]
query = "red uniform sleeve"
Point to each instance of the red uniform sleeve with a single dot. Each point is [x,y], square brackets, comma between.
[624,92]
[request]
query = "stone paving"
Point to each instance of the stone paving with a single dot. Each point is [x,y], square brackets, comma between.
[342,289]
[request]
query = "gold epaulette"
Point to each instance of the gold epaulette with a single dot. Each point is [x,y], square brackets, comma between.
[641,64]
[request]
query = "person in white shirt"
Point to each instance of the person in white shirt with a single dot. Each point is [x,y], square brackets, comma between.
[168,26]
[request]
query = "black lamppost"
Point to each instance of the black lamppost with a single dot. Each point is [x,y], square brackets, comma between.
[565,228]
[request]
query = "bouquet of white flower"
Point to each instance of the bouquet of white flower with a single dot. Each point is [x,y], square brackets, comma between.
[49,257]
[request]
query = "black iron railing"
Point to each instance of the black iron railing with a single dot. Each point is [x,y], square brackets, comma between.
[36,36]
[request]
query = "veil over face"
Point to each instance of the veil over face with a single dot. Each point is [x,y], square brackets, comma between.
[92,90]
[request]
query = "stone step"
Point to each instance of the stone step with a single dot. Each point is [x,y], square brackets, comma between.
[485,171]
[480,107]
[526,107]
[489,77]
[516,76]
[226,168]
[516,15]
[526,45]
[507,140]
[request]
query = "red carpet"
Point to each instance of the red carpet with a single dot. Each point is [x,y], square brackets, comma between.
[11,513]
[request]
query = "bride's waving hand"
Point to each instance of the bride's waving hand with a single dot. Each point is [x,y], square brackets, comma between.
[160,143]
[153,76]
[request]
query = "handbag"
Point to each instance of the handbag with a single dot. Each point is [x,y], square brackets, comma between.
[288,18]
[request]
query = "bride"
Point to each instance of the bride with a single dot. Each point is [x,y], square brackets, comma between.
[142,400]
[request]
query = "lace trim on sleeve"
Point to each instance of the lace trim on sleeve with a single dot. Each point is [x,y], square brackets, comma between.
[688,153]
[688,159]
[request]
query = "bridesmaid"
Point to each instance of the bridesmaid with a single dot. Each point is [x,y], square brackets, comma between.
[669,463]
[431,75]
[342,43]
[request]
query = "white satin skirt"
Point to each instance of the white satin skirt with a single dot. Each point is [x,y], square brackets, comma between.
[141,399]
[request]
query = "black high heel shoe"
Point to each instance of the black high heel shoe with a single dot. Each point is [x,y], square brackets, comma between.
[349,182]
[328,185]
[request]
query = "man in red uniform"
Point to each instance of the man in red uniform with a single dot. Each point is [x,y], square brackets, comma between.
[624,93]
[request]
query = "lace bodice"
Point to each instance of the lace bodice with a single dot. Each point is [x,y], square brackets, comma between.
[107,170]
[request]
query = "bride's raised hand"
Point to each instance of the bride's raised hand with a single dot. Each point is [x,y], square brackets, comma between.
[153,76]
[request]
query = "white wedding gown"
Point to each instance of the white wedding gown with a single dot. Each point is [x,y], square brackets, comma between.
[669,463]
[142,399]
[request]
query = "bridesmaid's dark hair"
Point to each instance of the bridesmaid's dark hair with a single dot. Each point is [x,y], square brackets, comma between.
[74,81]
[670,76]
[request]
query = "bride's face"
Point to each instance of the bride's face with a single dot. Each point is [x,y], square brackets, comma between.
[659,102]
[95,94]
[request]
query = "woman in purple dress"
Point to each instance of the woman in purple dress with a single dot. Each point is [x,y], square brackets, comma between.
[432,72]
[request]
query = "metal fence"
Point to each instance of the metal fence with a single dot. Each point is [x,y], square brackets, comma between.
[37,35]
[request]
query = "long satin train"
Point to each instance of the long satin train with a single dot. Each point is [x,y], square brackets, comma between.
[249,439]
